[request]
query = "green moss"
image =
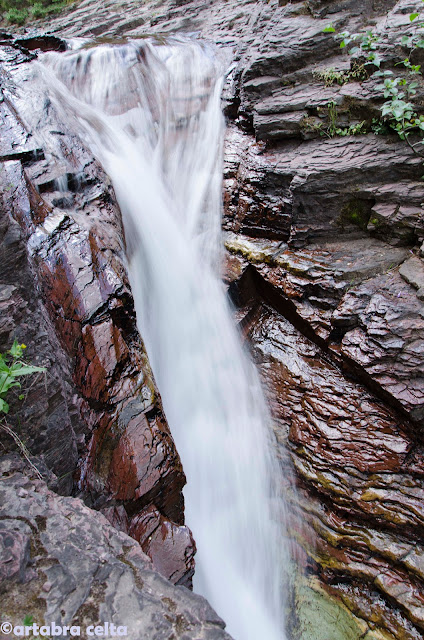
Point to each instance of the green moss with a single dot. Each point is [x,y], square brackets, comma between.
[322,617]
[251,251]
[356,213]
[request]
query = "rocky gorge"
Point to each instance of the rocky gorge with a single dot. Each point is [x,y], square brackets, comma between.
[324,264]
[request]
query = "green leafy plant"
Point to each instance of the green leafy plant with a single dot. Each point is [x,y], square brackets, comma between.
[362,42]
[332,130]
[379,128]
[332,118]
[330,76]
[397,112]
[13,367]
[357,129]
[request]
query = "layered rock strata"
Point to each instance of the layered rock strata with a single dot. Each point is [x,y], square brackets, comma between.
[62,204]
[358,511]
[324,237]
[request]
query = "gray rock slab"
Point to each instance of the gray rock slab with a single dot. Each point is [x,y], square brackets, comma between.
[86,572]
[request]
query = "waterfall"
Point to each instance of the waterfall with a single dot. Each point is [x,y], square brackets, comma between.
[151,114]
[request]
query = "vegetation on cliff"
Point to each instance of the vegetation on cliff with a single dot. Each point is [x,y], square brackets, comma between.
[13,367]
[398,88]
[19,11]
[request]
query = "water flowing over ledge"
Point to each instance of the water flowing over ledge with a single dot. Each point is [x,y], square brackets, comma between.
[151,114]
[335,304]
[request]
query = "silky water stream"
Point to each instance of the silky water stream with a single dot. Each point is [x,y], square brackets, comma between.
[151,114]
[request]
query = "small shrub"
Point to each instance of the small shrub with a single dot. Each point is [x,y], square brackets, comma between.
[19,11]
[332,130]
[17,16]
[330,76]
[13,367]
[38,11]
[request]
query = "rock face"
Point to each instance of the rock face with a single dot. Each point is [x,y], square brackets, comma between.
[325,262]
[47,420]
[324,237]
[81,571]
[66,212]
[346,445]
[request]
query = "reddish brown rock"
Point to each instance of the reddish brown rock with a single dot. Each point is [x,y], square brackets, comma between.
[47,418]
[321,188]
[358,462]
[75,239]
[362,462]
[171,547]
[117,516]
[382,323]
[348,296]
[133,459]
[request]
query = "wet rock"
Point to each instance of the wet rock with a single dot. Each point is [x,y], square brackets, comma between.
[364,529]
[42,43]
[171,547]
[314,278]
[386,326]
[362,462]
[117,516]
[352,297]
[318,610]
[397,222]
[323,188]
[273,127]
[133,459]
[128,457]
[15,143]
[86,572]
[311,209]
[47,419]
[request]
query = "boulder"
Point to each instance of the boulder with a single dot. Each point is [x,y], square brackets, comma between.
[86,572]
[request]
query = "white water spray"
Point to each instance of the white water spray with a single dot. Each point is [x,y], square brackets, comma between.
[151,114]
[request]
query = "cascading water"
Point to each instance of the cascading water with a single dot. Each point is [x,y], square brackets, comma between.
[151,114]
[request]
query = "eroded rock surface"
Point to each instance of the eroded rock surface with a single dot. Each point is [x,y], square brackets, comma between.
[47,418]
[351,297]
[63,206]
[81,571]
[363,464]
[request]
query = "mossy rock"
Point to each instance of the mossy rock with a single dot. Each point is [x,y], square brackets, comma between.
[322,617]
[355,213]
